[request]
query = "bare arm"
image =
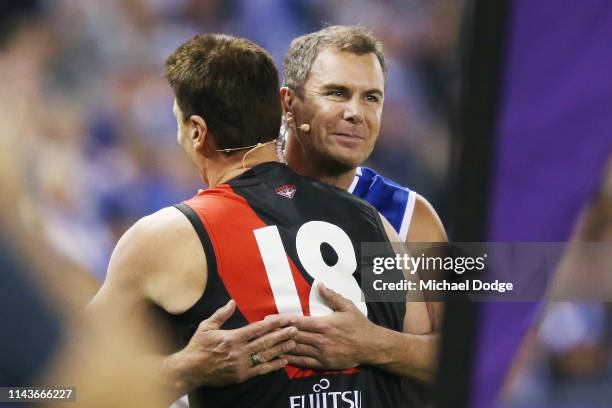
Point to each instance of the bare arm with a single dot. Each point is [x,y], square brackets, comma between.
[413,352]
[160,261]
[426,225]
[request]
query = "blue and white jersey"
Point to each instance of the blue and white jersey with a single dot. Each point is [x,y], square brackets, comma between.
[393,201]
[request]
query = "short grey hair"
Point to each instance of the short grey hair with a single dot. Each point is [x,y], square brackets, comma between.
[304,50]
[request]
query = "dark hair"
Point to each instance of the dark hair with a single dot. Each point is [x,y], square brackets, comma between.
[232,83]
[305,49]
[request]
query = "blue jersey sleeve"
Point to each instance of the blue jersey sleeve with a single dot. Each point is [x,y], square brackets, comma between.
[393,201]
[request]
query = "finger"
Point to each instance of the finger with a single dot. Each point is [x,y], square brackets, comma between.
[311,324]
[215,321]
[271,339]
[265,368]
[255,330]
[311,339]
[278,350]
[303,362]
[285,319]
[304,350]
[335,300]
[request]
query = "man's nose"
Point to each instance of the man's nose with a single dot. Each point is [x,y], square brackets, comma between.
[353,111]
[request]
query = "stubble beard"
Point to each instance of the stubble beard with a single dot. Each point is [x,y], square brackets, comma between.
[334,167]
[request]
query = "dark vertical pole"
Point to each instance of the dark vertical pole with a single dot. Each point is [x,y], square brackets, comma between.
[482,42]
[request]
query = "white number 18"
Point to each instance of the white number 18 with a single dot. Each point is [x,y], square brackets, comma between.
[338,277]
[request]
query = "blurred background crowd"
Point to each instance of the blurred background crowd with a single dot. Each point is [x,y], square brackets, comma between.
[85,108]
[84,93]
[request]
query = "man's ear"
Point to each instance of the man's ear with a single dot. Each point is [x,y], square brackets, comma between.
[287,98]
[199,131]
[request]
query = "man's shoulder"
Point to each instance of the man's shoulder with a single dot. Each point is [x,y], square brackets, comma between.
[426,225]
[158,227]
[151,240]
[410,214]
[161,259]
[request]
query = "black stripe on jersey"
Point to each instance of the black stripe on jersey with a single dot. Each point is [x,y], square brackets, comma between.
[211,259]
[215,294]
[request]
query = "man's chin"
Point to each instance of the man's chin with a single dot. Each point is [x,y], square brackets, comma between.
[348,157]
[341,164]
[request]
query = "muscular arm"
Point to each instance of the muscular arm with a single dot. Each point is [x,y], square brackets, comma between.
[136,276]
[413,352]
[135,281]
[427,227]
[160,261]
[410,353]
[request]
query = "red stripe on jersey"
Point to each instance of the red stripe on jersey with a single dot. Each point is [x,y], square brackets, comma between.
[230,222]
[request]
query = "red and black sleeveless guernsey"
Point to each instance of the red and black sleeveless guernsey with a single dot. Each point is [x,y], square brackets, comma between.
[269,235]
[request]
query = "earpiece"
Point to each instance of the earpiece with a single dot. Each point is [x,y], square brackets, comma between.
[304,127]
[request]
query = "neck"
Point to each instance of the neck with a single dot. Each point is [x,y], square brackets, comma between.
[342,181]
[297,159]
[221,168]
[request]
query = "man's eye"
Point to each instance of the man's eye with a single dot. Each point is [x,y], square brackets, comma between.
[336,93]
[372,98]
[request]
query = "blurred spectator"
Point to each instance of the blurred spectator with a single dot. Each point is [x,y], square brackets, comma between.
[85,95]
[568,359]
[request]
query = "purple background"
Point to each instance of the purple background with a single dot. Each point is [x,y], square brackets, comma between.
[554,136]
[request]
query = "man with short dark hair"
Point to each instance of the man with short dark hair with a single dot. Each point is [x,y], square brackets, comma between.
[252,242]
[240,106]
[159,262]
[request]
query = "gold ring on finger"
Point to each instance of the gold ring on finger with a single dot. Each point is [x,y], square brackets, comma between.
[256,359]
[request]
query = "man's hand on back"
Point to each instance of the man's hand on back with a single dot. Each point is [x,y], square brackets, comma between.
[335,342]
[346,339]
[216,357]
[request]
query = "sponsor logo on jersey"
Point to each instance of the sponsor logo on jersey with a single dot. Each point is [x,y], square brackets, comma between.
[287,190]
[321,398]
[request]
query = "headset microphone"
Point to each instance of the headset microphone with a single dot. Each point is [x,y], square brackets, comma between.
[304,127]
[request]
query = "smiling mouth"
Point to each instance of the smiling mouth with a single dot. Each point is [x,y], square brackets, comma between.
[349,136]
